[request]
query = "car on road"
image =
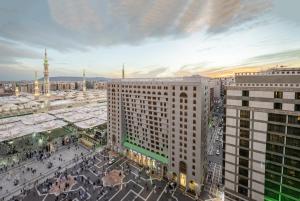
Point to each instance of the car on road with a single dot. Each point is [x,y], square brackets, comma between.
[111,161]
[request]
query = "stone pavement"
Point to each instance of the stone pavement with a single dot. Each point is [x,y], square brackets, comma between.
[24,176]
[136,185]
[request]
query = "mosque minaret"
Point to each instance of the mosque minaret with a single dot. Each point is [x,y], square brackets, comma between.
[46,76]
[83,82]
[36,87]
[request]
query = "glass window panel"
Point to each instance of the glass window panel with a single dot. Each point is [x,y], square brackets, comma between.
[271,185]
[274,158]
[245,114]
[278,94]
[291,172]
[244,143]
[244,133]
[290,192]
[293,142]
[275,148]
[292,152]
[243,162]
[273,177]
[244,124]
[274,168]
[276,128]
[243,172]
[244,153]
[294,119]
[275,138]
[277,117]
[271,194]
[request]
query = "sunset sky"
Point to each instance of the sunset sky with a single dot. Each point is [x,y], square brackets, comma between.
[153,38]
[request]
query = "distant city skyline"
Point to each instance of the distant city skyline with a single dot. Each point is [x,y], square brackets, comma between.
[156,38]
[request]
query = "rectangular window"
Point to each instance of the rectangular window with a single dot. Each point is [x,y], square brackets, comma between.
[297,95]
[245,103]
[292,152]
[243,191]
[293,131]
[291,162]
[271,194]
[278,106]
[293,142]
[244,143]
[243,162]
[244,133]
[273,177]
[243,181]
[276,128]
[275,148]
[245,93]
[245,114]
[244,124]
[294,120]
[243,172]
[278,94]
[291,173]
[277,117]
[273,157]
[275,138]
[273,168]
[297,107]
[244,153]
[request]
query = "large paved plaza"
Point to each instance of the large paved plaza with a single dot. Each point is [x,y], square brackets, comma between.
[84,181]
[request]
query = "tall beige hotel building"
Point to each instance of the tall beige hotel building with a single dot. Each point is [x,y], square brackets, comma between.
[161,124]
[262,135]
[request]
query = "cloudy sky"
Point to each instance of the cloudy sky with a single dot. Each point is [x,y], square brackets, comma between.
[153,38]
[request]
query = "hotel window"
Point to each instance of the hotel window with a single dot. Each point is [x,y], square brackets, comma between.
[277,117]
[245,93]
[297,95]
[245,114]
[276,128]
[278,106]
[297,107]
[243,191]
[278,94]
[243,162]
[244,133]
[245,103]
[243,172]
[294,120]
[244,124]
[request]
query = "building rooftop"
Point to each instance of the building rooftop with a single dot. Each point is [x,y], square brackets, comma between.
[166,79]
[273,77]
[84,117]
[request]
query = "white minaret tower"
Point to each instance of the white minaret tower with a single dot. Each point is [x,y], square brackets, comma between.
[17,92]
[46,76]
[83,82]
[36,87]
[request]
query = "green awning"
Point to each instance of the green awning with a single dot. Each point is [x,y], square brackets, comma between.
[146,152]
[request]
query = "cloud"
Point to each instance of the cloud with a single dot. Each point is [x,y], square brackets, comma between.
[10,53]
[277,57]
[81,24]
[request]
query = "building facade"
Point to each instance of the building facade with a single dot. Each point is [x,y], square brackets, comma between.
[262,151]
[161,124]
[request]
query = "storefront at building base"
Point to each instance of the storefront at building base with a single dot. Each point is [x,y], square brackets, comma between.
[156,163]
